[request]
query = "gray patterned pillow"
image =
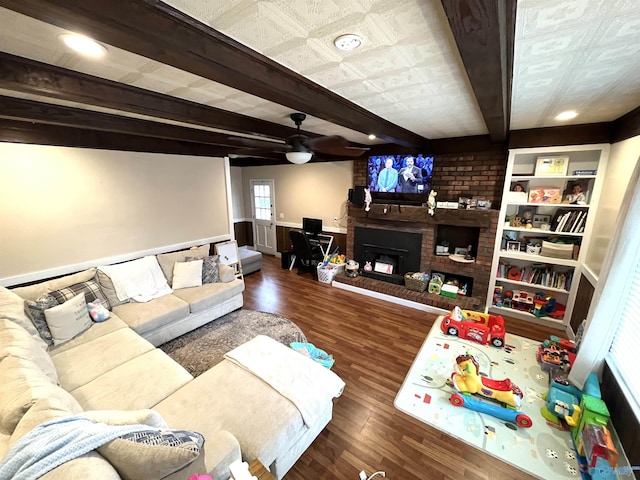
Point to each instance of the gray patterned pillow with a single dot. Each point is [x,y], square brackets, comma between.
[35,311]
[151,453]
[90,288]
[210,268]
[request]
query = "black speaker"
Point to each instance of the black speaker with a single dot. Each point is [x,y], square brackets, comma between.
[356,195]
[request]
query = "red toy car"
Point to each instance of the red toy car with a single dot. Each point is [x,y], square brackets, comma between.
[479,327]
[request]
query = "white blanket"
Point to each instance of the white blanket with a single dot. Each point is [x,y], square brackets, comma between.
[141,280]
[308,385]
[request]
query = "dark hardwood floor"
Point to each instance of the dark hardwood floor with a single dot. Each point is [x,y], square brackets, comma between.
[374,343]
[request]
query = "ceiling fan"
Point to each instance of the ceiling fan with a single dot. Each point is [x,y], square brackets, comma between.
[299,148]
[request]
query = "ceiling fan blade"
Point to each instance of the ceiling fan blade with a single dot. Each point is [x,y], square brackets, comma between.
[335,145]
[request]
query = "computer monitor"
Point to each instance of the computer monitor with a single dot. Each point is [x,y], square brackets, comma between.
[312,226]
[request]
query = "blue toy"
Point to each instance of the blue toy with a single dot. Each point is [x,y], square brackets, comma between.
[503,413]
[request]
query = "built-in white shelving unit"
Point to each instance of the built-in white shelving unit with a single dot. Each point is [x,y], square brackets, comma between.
[547,175]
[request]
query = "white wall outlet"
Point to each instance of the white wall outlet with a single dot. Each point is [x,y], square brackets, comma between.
[281,215]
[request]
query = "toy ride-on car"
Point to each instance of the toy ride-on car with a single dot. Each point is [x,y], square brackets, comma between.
[480,327]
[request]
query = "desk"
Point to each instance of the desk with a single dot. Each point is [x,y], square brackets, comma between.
[321,240]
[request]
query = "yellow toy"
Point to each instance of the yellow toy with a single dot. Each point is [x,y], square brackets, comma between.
[466,379]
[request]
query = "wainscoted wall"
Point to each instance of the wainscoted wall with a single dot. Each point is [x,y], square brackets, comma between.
[243,232]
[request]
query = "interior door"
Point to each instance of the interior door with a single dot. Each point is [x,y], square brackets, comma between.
[263,206]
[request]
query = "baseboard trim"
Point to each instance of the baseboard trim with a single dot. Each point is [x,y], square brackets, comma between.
[390,298]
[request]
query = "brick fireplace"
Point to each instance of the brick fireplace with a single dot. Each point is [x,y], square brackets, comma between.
[415,220]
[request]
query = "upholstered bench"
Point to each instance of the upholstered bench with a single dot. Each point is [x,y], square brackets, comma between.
[251,260]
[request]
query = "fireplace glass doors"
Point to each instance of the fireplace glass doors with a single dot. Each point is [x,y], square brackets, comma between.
[387,254]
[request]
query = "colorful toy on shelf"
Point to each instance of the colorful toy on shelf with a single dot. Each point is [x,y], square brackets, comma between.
[467,380]
[480,327]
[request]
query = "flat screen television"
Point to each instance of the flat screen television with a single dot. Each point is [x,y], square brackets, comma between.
[400,178]
[312,226]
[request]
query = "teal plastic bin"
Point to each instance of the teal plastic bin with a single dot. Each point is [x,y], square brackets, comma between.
[316,354]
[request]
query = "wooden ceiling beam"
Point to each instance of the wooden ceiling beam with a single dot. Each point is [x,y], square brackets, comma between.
[158,31]
[36,78]
[484,31]
[51,114]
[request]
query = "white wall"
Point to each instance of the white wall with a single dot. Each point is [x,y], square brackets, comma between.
[237,195]
[623,157]
[62,208]
[317,190]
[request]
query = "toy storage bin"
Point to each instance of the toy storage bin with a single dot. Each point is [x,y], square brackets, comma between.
[415,284]
[327,273]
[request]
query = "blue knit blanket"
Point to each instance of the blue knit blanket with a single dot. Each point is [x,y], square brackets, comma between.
[53,443]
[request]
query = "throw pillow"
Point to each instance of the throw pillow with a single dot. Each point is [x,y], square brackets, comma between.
[35,311]
[152,453]
[68,320]
[227,273]
[106,284]
[97,311]
[210,268]
[91,290]
[187,274]
[167,260]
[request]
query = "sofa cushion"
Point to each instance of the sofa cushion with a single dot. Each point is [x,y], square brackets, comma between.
[97,330]
[122,388]
[264,422]
[78,366]
[227,273]
[32,292]
[25,383]
[106,284]
[209,294]
[187,274]
[35,309]
[89,465]
[69,319]
[15,341]
[167,260]
[58,404]
[90,288]
[146,317]
[12,307]
[152,453]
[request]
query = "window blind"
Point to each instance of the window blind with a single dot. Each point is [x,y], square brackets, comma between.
[623,354]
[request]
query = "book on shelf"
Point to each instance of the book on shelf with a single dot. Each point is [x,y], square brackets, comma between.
[569,221]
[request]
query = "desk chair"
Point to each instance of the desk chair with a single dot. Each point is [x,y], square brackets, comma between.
[306,255]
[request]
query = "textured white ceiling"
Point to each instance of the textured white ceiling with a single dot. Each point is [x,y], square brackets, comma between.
[573,54]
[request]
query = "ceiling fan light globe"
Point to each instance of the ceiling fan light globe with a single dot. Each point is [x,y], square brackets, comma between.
[298,157]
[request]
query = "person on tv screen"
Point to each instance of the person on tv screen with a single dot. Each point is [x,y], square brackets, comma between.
[409,177]
[388,177]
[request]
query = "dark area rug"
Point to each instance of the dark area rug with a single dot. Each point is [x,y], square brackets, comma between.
[204,347]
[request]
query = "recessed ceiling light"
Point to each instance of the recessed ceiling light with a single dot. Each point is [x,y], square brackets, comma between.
[568,115]
[372,137]
[349,41]
[83,45]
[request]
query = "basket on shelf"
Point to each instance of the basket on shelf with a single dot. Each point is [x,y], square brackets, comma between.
[416,284]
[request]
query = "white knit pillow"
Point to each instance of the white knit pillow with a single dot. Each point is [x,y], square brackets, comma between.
[187,274]
[69,319]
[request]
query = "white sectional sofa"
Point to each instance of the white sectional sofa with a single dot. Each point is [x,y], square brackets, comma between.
[112,373]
